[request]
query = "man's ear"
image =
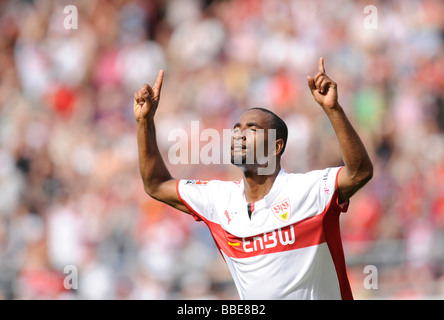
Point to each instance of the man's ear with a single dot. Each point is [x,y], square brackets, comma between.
[279,146]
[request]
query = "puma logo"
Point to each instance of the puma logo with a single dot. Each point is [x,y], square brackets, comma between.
[228,216]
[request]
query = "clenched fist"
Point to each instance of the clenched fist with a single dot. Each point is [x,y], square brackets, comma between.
[147,99]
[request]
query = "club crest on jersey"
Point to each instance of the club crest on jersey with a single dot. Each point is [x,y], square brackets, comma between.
[281,210]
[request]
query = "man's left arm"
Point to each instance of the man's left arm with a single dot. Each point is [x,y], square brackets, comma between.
[358,168]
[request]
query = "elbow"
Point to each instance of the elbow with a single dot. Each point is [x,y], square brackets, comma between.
[365,175]
[368,176]
[150,190]
[360,177]
[157,189]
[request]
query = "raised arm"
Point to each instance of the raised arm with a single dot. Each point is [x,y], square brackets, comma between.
[358,167]
[156,178]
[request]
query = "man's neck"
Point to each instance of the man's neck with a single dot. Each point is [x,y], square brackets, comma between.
[257,186]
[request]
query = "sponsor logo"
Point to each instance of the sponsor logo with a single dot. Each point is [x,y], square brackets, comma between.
[269,240]
[302,234]
[324,180]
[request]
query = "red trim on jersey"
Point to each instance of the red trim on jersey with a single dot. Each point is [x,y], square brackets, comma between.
[334,242]
[198,217]
[321,228]
[190,210]
[302,234]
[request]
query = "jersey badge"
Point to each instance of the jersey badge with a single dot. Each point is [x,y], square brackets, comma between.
[281,210]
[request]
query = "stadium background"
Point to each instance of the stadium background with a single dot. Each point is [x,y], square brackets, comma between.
[70,190]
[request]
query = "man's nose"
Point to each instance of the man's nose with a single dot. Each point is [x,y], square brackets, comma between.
[239,135]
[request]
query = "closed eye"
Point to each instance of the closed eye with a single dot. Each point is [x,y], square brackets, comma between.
[254,125]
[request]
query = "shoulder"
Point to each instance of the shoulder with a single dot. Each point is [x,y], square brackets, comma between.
[315,174]
[327,177]
[208,185]
[303,177]
[202,197]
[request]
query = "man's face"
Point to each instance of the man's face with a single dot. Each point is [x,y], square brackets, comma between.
[249,142]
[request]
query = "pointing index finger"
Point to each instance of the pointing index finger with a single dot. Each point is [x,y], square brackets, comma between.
[321,65]
[158,85]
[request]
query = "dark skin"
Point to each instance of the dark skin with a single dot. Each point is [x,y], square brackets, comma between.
[358,168]
[256,184]
[160,185]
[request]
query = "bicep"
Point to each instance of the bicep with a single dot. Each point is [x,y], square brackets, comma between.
[167,193]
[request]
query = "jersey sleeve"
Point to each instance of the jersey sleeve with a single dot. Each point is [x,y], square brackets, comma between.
[196,196]
[328,190]
[320,190]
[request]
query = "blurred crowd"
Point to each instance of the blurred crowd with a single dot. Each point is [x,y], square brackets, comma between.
[70,189]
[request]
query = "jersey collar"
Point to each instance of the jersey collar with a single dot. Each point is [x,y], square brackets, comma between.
[268,200]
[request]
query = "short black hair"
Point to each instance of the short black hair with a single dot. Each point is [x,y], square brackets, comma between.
[278,124]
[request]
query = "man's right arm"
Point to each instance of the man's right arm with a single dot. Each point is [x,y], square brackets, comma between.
[156,178]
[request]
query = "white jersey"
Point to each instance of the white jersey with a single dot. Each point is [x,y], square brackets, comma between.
[290,247]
